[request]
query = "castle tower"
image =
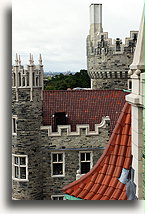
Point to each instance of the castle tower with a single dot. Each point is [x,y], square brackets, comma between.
[137,100]
[107,61]
[27,86]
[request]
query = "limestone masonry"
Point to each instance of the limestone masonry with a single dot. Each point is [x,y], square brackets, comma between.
[108,61]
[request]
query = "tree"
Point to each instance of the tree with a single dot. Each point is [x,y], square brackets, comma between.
[63,82]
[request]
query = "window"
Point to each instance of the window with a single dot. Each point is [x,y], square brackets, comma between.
[60,118]
[129,84]
[86,162]
[20,167]
[57,197]
[57,160]
[14,125]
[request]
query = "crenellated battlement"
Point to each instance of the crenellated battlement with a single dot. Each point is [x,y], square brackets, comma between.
[108,59]
[100,44]
[86,127]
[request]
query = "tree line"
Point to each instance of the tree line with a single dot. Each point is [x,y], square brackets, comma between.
[63,82]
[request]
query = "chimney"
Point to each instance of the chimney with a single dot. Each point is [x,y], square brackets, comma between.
[95,19]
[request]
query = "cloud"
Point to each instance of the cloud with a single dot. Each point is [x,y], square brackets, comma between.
[58,29]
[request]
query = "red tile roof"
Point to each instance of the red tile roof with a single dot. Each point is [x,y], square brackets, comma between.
[101,182]
[83,106]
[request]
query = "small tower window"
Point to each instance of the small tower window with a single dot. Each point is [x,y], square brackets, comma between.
[19,79]
[14,125]
[33,79]
[23,81]
[60,118]
[37,81]
[27,78]
[14,79]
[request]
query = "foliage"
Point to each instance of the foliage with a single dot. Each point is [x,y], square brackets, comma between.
[63,82]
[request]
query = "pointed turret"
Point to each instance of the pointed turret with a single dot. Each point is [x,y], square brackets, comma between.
[16,60]
[138,61]
[30,60]
[40,59]
[19,60]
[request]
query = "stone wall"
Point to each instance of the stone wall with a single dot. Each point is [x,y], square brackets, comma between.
[71,146]
[27,142]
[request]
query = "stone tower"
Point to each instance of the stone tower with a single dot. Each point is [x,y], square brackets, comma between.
[27,86]
[137,100]
[107,61]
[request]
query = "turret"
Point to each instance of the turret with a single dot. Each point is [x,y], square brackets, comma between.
[27,98]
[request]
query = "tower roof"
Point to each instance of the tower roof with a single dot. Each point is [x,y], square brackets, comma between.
[104,181]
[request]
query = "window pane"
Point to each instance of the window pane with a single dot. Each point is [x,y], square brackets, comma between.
[54,157]
[16,160]
[82,156]
[87,156]
[85,167]
[22,161]
[61,198]
[55,198]
[14,125]
[23,172]
[60,158]
[57,169]
[16,172]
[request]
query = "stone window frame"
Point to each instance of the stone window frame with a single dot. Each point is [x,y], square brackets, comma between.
[63,164]
[14,127]
[57,196]
[19,166]
[91,160]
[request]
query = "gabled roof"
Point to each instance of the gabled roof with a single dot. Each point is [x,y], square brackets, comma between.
[83,106]
[102,181]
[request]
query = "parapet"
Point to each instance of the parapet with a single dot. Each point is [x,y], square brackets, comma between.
[85,127]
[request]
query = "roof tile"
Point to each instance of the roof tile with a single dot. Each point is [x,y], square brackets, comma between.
[102,181]
[83,107]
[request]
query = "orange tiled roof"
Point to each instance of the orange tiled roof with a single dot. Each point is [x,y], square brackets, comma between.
[102,181]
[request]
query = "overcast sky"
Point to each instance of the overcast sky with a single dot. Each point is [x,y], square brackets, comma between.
[58,29]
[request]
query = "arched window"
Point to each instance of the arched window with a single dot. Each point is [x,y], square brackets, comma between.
[37,81]
[23,81]
[14,79]
[27,78]
[40,79]
[33,79]
[19,79]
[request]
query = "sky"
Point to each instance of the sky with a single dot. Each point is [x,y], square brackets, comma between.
[58,29]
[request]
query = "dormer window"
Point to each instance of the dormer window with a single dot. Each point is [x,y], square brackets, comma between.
[60,118]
